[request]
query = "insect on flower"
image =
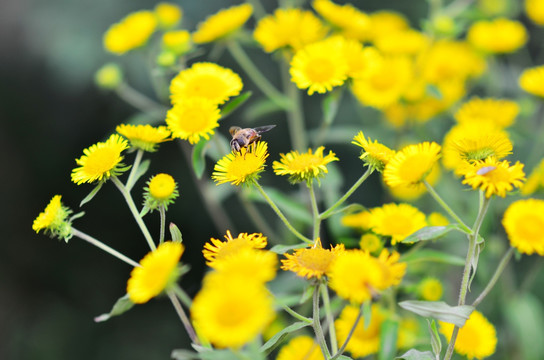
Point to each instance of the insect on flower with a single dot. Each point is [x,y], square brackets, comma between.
[242,138]
[485,170]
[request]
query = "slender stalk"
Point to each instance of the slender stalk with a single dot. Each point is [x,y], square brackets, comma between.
[350,334]
[255,74]
[131,177]
[330,319]
[183,317]
[258,9]
[185,299]
[295,314]
[315,211]
[498,272]
[138,100]
[162,212]
[255,215]
[354,187]
[317,324]
[280,214]
[445,206]
[104,247]
[134,211]
[295,114]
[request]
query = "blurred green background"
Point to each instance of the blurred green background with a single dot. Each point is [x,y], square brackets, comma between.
[50,110]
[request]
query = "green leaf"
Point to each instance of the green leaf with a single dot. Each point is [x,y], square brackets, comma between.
[199,157]
[388,339]
[436,343]
[77,216]
[430,233]
[434,91]
[260,108]
[175,233]
[429,255]
[291,208]
[474,263]
[349,209]
[439,310]
[234,104]
[142,169]
[279,336]
[414,354]
[367,313]
[91,194]
[331,105]
[182,354]
[282,249]
[145,210]
[122,305]
[525,316]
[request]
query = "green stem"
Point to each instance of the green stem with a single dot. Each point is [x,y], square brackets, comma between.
[104,247]
[295,114]
[445,206]
[350,334]
[317,324]
[162,212]
[258,78]
[315,211]
[330,319]
[183,317]
[255,215]
[500,268]
[134,211]
[280,215]
[185,299]
[355,186]
[138,100]
[295,314]
[131,177]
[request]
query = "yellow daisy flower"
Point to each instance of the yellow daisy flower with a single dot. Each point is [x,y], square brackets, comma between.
[430,289]
[192,119]
[493,177]
[359,220]
[532,80]
[523,221]
[385,84]
[364,341]
[144,137]
[371,243]
[216,249]
[130,33]
[161,191]
[311,262]
[299,348]
[403,42]
[229,311]
[374,154]
[412,164]
[241,167]
[320,66]
[304,167]
[397,221]
[177,41]
[100,161]
[437,219]
[206,80]
[385,22]
[535,11]
[501,112]
[535,180]
[394,270]
[350,21]
[362,61]
[497,36]
[253,264]
[413,192]
[409,333]
[157,272]
[222,24]
[109,76]
[168,14]
[477,339]
[54,219]
[294,28]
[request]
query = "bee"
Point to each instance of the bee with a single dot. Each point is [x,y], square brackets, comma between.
[242,138]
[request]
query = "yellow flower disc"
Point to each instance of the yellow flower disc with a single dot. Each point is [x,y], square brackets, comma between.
[253,264]
[144,137]
[501,112]
[241,167]
[304,167]
[301,347]
[130,33]
[217,250]
[532,80]
[523,221]
[412,164]
[311,262]
[222,23]
[535,11]
[397,221]
[430,289]
[168,14]
[374,154]
[162,186]
[493,177]
[193,119]
[497,36]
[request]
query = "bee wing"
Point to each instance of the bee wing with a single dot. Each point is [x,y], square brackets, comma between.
[262,129]
[234,129]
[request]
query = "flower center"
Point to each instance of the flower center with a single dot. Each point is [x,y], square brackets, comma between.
[531,228]
[315,259]
[208,86]
[320,70]
[102,160]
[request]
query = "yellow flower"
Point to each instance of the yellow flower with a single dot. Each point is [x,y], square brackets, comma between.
[320,66]
[374,154]
[304,167]
[497,36]
[437,219]
[168,14]
[302,347]
[257,265]
[144,137]
[294,28]
[100,161]
[206,80]
[394,270]
[350,22]
[532,80]
[386,22]
[523,221]
[500,112]
[477,339]
[535,180]
[412,164]
[430,289]
[130,33]
[364,341]
[177,41]
[222,24]
[54,219]
[360,220]
[535,11]
[474,141]
[362,61]
[241,167]
[413,192]
[229,311]
[385,84]
[396,220]
[493,177]
[217,250]
[157,272]
[408,334]
[161,191]
[371,243]
[109,76]
[402,42]
[192,119]
[311,262]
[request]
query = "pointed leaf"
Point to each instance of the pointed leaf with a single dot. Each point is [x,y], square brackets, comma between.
[349,208]
[279,336]
[439,310]
[175,233]
[331,105]
[436,342]
[422,255]
[388,339]
[199,157]
[414,354]
[122,305]
[367,313]
[182,354]
[142,169]
[234,104]
[91,194]
[430,233]
[282,249]
[145,210]
[77,216]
